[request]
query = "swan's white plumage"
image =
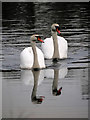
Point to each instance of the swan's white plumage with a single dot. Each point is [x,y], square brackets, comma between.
[48,47]
[27,58]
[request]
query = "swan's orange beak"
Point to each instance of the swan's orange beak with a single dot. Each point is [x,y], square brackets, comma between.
[39,39]
[58,30]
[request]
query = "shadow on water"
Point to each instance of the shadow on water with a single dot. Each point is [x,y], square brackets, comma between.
[65,84]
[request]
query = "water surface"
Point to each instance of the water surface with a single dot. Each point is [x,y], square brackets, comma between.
[20,21]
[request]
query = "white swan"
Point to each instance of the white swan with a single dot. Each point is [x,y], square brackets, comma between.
[56,46]
[32,57]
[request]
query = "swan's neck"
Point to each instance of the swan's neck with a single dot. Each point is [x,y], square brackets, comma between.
[55,81]
[55,42]
[36,76]
[35,62]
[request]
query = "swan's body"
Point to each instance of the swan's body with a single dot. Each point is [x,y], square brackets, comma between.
[32,57]
[48,47]
[56,46]
[27,58]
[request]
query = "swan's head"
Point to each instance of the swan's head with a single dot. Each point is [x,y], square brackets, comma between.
[55,28]
[35,38]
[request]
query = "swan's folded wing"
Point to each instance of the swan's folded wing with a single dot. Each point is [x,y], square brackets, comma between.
[47,48]
[26,58]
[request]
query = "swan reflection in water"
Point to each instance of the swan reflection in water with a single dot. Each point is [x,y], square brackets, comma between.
[35,78]
[55,91]
[56,73]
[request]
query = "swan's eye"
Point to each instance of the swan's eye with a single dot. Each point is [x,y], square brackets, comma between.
[39,39]
[57,27]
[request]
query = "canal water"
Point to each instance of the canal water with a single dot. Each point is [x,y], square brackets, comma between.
[19,21]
